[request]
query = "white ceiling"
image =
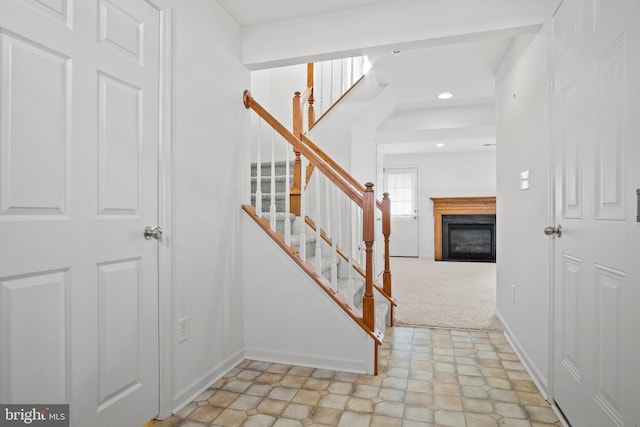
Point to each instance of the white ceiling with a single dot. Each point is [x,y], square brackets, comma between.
[462,66]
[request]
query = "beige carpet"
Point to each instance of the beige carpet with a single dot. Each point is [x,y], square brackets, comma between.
[444,294]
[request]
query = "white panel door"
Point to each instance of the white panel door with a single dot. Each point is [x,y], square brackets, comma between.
[596,106]
[402,186]
[79,120]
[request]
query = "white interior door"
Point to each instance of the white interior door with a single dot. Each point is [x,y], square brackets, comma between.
[596,57]
[402,186]
[79,86]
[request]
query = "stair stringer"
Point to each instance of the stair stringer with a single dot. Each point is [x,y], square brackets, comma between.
[289,318]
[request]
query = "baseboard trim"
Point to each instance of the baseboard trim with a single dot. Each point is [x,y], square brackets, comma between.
[184,396]
[536,375]
[345,365]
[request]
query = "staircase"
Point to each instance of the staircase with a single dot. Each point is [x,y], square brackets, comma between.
[350,285]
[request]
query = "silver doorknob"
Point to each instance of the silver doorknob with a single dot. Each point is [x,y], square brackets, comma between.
[550,231]
[152,232]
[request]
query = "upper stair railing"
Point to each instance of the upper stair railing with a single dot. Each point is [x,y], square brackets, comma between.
[340,214]
[351,73]
[333,78]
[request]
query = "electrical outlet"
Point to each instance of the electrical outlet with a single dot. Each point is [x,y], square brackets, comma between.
[183,329]
[513,293]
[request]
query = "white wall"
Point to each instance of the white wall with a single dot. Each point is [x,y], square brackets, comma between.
[209,122]
[451,174]
[310,329]
[274,89]
[523,250]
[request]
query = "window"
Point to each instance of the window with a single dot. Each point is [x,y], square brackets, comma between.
[401,186]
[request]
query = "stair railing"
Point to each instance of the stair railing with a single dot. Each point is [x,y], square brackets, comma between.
[300,130]
[333,78]
[323,199]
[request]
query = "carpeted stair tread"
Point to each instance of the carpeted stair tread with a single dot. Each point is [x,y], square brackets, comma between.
[280,216]
[265,183]
[265,170]
[343,286]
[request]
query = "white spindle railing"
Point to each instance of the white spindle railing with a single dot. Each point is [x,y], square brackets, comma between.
[303,216]
[334,215]
[259,171]
[335,236]
[318,223]
[334,206]
[287,201]
[335,77]
[272,207]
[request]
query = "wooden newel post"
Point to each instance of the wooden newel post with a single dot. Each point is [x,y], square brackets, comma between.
[368,233]
[386,232]
[311,100]
[296,185]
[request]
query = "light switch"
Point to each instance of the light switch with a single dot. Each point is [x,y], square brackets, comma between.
[524,180]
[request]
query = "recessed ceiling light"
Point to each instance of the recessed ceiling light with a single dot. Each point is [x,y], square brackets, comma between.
[440,145]
[445,95]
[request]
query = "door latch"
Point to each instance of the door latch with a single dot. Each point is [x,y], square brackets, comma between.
[152,232]
[550,231]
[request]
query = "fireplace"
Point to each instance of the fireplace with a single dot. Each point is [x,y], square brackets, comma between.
[464,228]
[469,238]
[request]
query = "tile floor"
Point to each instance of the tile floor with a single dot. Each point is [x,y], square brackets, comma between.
[429,377]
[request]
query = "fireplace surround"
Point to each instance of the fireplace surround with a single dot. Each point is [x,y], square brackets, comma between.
[464,228]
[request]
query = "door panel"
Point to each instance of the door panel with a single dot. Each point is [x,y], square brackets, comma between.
[119,144]
[596,48]
[29,68]
[40,299]
[79,151]
[402,186]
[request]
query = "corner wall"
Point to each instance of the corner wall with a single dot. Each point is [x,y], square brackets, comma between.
[523,286]
[209,122]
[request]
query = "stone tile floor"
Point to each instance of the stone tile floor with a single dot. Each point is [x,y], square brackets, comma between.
[428,377]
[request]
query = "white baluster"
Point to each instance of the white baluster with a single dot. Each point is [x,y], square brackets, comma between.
[318,223]
[321,87]
[259,172]
[272,207]
[334,238]
[354,249]
[361,246]
[342,77]
[353,72]
[303,214]
[332,91]
[287,202]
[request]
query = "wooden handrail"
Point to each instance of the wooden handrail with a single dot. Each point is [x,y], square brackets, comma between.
[353,193]
[305,139]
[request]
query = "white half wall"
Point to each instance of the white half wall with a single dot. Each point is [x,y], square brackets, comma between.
[450,174]
[209,122]
[523,285]
[289,318]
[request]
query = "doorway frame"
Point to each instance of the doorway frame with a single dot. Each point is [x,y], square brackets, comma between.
[165,251]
